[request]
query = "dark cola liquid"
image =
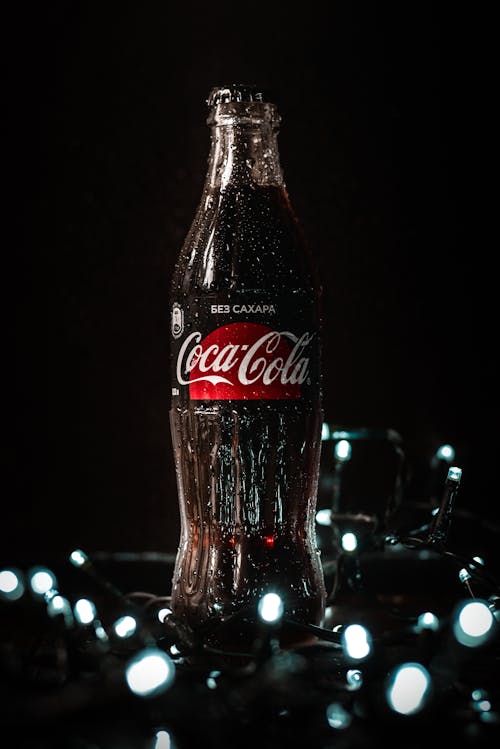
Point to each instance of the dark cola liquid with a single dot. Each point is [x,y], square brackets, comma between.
[247,473]
[247,470]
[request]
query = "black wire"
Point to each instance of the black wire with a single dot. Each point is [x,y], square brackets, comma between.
[476,569]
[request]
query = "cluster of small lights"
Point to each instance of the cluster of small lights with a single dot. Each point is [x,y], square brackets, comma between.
[151,671]
[480,700]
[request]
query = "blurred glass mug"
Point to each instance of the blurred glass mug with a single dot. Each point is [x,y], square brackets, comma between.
[362,476]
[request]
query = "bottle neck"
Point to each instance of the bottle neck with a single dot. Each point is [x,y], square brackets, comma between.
[244,146]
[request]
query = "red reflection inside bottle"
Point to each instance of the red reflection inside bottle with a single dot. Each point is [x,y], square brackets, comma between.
[269,542]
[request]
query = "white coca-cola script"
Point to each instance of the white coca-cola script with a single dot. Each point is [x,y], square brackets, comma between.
[247,363]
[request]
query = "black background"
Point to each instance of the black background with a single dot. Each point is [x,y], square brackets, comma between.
[386,145]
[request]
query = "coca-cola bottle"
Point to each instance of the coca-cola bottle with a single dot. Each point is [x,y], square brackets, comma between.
[246,410]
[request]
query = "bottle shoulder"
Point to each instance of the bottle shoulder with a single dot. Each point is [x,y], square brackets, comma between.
[245,237]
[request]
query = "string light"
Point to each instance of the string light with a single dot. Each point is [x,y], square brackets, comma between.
[212,679]
[325,432]
[78,558]
[42,580]
[349,541]
[60,606]
[337,716]
[479,561]
[270,608]
[473,623]
[85,611]
[100,632]
[356,642]
[427,620]
[343,451]
[163,613]
[125,626]
[324,517]
[11,584]
[162,740]
[354,678]
[440,524]
[465,576]
[408,688]
[446,453]
[150,672]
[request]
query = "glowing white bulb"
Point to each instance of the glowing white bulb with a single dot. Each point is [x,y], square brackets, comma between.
[163,613]
[479,694]
[454,474]
[100,632]
[349,541]
[270,607]
[149,672]
[482,706]
[408,688]
[354,678]
[125,626]
[78,558]
[343,450]
[473,623]
[85,611]
[50,594]
[337,716]
[42,580]
[162,740]
[9,581]
[464,575]
[445,452]
[325,432]
[356,641]
[428,620]
[324,517]
[59,605]
[11,585]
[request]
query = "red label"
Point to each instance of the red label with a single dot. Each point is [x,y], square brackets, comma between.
[244,361]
